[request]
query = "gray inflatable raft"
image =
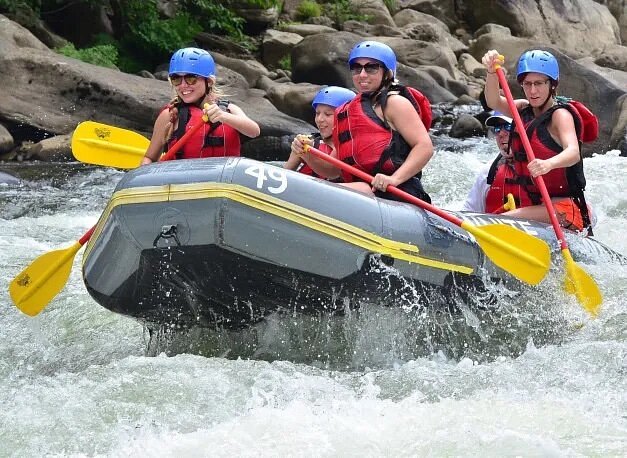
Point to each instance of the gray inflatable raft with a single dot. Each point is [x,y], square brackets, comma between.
[225,242]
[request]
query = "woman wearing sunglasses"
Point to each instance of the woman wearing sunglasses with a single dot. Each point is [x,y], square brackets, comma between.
[379,131]
[324,104]
[192,75]
[554,134]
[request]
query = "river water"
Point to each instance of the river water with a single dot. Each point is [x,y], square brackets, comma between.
[538,378]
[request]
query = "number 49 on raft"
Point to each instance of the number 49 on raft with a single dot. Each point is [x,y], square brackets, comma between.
[274,174]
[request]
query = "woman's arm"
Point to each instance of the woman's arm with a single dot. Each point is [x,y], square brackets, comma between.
[157,140]
[492,90]
[562,129]
[402,116]
[234,117]
[475,201]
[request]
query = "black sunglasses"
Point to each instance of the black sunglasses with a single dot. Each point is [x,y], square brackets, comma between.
[500,127]
[371,68]
[176,80]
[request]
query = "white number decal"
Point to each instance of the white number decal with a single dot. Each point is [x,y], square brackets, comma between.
[274,174]
[279,176]
[258,172]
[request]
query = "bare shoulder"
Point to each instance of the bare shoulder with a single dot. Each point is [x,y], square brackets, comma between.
[562,119]
[164,116]
[396,101]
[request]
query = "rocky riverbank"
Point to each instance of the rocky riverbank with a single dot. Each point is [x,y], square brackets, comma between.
[438,46]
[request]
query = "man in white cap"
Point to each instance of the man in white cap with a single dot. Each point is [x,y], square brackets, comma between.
[487,181]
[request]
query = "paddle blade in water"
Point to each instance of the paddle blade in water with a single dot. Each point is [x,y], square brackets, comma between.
[42,280]
[582,285]
[100,144]
[526,257]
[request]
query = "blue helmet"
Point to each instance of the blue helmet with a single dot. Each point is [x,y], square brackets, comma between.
[538,61]
[374,50]
[194,61]
[333,96]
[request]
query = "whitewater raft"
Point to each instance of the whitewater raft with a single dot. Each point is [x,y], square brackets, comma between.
[226,242]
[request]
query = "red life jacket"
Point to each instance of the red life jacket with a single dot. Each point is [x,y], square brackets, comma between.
[217,140]
[318,144]
[503,180]
[561,182]
[364,140]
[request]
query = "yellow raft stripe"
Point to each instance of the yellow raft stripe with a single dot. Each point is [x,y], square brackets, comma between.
[282,209]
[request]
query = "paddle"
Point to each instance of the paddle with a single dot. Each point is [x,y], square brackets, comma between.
[33,288]
[100,144]
[498,241]
[577,280]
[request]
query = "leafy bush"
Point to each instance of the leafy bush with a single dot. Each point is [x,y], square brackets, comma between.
[149,38]
[216,17]
[13,6]
[391,5]
[143,37]
[341,11]
[103,55]
[286,62]
[308,9]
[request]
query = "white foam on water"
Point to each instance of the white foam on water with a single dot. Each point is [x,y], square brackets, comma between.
[543,380]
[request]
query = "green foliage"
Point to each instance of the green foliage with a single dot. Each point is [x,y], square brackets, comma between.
[286,62]
[216,18]
[15,6]
[144,38]
[308,9]
[148,36]
[103,55]
[37,6]
[262,3]
[341,11]
[391,5]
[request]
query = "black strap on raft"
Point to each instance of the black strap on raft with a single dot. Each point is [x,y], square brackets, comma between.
[167,232]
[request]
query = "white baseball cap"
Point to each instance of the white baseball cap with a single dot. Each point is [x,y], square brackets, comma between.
[497,118]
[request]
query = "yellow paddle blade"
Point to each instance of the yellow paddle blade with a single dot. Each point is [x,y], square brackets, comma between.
[526,257]
[100,144]
[582,285]
[37,285]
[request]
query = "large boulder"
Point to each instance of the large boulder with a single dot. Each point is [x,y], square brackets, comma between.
[322,59]
[579,26]
[57,92]
[6,140]
[444,10]
[576,81]
[618,8]
[376,11]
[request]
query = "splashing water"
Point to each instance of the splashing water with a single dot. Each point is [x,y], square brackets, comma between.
[538,378]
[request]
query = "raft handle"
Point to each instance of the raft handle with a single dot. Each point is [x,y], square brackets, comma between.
[167,232]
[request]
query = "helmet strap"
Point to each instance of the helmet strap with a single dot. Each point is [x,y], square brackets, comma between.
[544,105]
